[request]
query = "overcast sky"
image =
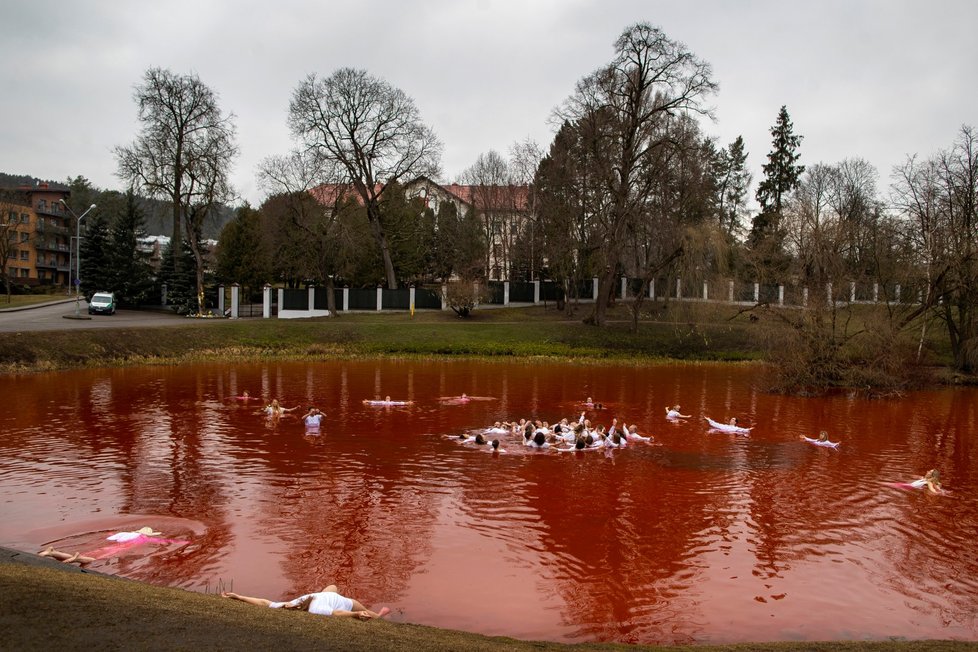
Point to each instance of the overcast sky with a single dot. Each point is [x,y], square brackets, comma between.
[872,79]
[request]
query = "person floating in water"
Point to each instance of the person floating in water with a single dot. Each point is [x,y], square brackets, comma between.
[123,541]
[823,440]
[931,480]
[387,401]
[675,412]
[327,602]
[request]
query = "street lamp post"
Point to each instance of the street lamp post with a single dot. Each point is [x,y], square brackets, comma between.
[78,219]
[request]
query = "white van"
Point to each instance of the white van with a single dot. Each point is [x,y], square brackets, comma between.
[102,302]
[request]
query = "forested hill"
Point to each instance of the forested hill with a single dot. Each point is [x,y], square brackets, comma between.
[157,214]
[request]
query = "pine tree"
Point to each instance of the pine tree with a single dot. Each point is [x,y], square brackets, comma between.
[130,271]
[781,176]
[733,181]
[180,276]
[95,262]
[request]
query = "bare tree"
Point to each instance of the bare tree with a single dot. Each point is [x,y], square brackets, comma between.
[489,178]
[620,109]
[372,131]
[183,154]
[940,199]
[10,207]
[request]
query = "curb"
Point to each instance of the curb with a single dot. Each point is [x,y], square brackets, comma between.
[36,305]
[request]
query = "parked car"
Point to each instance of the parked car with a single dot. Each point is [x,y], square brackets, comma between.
[102,302]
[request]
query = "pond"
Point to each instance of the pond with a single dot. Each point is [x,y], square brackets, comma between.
[705,537]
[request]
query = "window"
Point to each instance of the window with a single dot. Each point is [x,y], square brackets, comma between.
[13,253]
[42,204]
[24,237]
[25,218]
[12,236]
[24,273]
[25,254]
[12,217]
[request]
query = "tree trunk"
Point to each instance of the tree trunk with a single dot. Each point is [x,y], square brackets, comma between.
[606,287]
[331,297]
[373,217]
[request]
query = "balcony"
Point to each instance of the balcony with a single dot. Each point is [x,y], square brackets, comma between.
[48,208]
[51,246]
[42,227]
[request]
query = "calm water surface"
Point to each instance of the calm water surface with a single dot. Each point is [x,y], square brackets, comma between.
[704,538]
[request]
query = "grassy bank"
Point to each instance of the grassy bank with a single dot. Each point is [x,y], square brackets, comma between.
[523,332]
[47,606]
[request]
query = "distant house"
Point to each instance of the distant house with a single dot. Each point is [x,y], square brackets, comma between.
[153,246]
[39,230]
[504,212]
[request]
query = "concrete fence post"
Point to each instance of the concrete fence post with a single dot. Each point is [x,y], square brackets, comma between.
[536,292]
[757,293]
[311,299]
[730,288]
[652,289]
[780,295]
[852,292]
[876,292]
[594,288]
[380,298]
[281,300]
[444,297]
[624,288]
[266,301]
[235,290]
[897,293]
[411,300]
[346,299]
[505,293]
[220,300]
[804,297]
[679,288]
[828,293]
[706,291]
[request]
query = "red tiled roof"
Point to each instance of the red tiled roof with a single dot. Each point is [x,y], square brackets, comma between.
[502,198]
[506,198]
[329,194]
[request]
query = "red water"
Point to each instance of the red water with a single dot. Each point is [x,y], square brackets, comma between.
[706,538]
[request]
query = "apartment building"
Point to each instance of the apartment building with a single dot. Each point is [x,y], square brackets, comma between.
[503,211]
[39,232]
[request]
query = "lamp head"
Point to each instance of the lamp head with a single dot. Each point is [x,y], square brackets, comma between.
[91,207]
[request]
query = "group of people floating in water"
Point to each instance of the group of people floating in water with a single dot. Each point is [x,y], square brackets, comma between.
[569,434]
[581,435]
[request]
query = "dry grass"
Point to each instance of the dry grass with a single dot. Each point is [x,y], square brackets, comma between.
[49,606]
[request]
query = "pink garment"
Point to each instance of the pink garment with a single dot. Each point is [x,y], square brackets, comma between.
[130,542]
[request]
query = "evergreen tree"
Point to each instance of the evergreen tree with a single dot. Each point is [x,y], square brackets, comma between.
[95,268]
[130,272]
[781,175]
[781,172]
[242,256]
[179,274]
[732,181]
[409,234]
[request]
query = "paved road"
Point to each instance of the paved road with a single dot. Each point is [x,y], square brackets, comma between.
[52,318]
